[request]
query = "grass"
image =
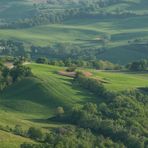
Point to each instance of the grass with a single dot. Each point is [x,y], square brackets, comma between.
[120,81]
[44,93]
[8,140]
[31,101]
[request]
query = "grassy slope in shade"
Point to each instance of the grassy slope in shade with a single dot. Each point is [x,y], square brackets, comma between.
[30,101]
[44,93]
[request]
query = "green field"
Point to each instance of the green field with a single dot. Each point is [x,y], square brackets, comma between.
[120,81]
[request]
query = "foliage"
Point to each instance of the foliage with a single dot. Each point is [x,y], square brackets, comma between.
[90,84]
[9,76]
[141,65]
[35,133]
[74,138]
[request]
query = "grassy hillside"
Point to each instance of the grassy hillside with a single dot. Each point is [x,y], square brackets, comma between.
[117,81]
[10,140]
[43,93]
[32,100]
[29,102]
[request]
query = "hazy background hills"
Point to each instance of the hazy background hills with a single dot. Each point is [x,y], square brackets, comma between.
[116,27]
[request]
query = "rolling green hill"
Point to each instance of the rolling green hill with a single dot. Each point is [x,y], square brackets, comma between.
[27,101]
[43,93]
[31,100]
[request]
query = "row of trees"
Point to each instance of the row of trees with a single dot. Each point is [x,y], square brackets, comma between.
[141,65]
[12,48]
[58,51]
[96,64]
[64,51]
[91,84]
[78,9]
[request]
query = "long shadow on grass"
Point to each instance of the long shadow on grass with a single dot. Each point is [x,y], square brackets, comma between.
[87,95]
[144,90]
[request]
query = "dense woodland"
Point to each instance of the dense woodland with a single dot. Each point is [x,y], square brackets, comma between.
[58,51]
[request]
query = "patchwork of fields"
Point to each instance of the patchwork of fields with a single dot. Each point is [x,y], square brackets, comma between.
[84,32]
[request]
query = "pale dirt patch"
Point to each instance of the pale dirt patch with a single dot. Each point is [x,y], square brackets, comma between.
[9,65]
[39,1]
[73,74]
[87,74]
[68,74]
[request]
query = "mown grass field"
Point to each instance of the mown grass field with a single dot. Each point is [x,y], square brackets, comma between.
[120,81]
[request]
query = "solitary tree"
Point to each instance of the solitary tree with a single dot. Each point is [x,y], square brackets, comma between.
[59,111]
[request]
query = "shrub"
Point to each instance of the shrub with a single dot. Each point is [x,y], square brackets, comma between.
[35,133]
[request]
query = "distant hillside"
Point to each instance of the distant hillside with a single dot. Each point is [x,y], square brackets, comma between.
[120,26]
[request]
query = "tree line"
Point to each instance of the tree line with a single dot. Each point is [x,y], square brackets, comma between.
[80,9]
[8,76]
